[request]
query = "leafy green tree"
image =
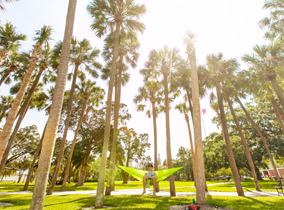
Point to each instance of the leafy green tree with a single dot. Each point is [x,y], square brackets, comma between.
[131,147]
[113,15]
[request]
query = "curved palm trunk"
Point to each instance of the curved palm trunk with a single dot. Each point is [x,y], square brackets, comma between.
[260,134]
[276,110]
[232,161]
[199,171]
[73,145]
[17,102]
[33,163]
[189,98]
[22,114]
[83,172]
[5,77]
[55,111]
[277,89]
[110,181]
[155,140]
[100,189]
[250,161]
[191,146]
[63,142]
[169,153]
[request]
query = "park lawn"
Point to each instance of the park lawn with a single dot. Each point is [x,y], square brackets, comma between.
[265,185]
[72,202]
[10,186]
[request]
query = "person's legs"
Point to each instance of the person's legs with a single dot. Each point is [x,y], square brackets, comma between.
[144,184]
[154,185]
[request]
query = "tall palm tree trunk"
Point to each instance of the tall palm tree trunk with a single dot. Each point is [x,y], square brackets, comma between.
[100,189]
[232,161]
[276,110]
[83,172]
[17,102]
[199,171]
[153,101]
[66,173]
[110,181]
[31,170]
[191,146]
[277,89]
[260,134]
[250,161]
[22,114]
[55,111]
[169,153]
[63,142]
[189,98]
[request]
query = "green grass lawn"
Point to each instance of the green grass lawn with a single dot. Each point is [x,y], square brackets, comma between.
[134,202]
[181,186]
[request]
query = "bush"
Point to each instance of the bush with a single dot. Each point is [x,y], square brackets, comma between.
[91,180]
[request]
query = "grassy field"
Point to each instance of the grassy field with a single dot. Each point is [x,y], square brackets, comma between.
[72,202]
[181,186]
[10,186]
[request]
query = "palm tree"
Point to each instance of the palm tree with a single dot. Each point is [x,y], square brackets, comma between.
[266,63]
[274,22]
[42,38]
[1,3]
[250,161]
[217,71]
[110,14]
[81,54]
[43,65]
[127,53]
[161,62]
[183,109]
[151,91]
[199,171]
[87,89]
[9,39]
[55,111]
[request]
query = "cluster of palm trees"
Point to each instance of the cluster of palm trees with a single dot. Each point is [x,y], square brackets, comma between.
[166,75]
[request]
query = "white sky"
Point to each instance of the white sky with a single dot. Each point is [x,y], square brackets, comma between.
[226,26]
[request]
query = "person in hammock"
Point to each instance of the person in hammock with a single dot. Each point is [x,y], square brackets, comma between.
[152,176]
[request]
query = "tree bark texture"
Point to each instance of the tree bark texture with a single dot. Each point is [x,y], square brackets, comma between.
[276,110]
[169,153]
[110,181]
[277,89]
[199,162]
[232,161]
[54,116]
[22,114]
[250,161]
[155,139]
[191,146]
[66,173]
[100,189]
[260,134]
[63,142]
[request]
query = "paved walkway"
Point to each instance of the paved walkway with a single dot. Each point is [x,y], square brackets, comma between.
[161,193]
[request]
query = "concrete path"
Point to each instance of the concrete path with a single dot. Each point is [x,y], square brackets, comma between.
[161,193]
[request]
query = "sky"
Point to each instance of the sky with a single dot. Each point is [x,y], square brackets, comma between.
[226,26]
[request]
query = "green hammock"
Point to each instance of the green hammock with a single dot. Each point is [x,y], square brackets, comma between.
[139,174]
